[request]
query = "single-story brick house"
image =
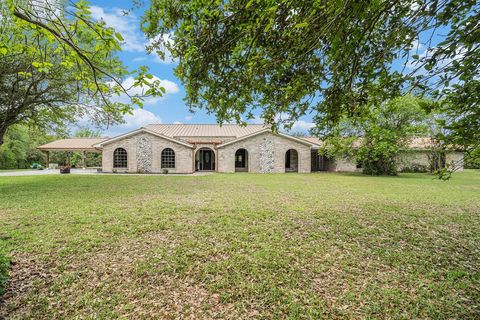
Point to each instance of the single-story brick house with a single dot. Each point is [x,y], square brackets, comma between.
[187,148]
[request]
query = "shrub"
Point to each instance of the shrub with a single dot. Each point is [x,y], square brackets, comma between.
[415,168]
[472,160]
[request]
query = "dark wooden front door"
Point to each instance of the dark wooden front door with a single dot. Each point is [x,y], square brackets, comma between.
[206,160]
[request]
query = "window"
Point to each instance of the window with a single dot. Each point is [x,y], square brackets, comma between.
[168,158]
[120,158]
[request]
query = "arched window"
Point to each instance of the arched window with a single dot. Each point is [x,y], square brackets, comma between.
[168,158]
[120,158]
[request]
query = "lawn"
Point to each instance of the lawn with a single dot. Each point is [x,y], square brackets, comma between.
[241,246]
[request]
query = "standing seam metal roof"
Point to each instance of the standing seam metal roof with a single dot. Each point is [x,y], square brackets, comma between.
[205,130]
[86,144]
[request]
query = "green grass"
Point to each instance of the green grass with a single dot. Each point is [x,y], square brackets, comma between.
[241,246]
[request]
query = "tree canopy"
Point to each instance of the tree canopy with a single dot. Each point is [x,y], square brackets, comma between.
[240,58]
[57,64]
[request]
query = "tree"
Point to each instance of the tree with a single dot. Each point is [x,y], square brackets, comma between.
[335,58]
[57,64]
[19,148]
[377,139]
[461,120]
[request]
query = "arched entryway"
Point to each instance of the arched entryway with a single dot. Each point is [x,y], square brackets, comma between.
[291,160]
[241,160]
[205,160]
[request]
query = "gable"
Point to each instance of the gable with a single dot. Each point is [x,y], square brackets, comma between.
[141,131]
[279,134]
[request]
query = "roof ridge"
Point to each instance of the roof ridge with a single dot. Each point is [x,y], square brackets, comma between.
[84,138]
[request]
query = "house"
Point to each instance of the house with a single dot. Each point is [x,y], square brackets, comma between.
[187,148]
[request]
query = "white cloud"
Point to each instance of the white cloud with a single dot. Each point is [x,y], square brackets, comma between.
[188,118]
[139,59]
[302,125]
[139,118]
[170,88]
[126,25]
[256,120]
[177,122]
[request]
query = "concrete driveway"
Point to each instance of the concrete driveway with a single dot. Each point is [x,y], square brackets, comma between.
[91,171]
[43,172]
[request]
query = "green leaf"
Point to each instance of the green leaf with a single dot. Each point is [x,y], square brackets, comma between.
[119,36]
[301,25]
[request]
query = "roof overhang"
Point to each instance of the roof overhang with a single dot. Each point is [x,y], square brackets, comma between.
[71,149]
[73,145]
[143,130]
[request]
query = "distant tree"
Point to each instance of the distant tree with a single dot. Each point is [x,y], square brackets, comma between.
[87,133]
[461,123]
[377,139]
[19,149]
[298,134]
[58,64]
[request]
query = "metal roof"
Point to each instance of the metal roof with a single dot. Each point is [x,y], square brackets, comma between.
[205,130]
[73,144]
[418,143]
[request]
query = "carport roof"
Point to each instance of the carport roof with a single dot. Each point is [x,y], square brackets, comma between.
[73,144]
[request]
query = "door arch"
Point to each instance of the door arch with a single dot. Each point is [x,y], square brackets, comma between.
[205,160]
[241,160]
[291,160]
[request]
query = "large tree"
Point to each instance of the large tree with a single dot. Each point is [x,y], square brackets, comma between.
[333,58]
[57,64]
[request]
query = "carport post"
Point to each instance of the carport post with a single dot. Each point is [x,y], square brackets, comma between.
[84,159]
[47,159]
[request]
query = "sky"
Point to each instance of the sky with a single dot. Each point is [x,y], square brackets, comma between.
[167,109]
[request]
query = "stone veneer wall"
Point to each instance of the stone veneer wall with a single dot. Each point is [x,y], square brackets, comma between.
[140,146]
[266,154]
[343,165]
[405,160]
[421,158]
[457,158]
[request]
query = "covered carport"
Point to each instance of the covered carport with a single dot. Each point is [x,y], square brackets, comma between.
[81,145]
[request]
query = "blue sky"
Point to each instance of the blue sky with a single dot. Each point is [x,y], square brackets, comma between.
[168,109]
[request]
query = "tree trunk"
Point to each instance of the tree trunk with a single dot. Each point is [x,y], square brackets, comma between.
[3,130]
